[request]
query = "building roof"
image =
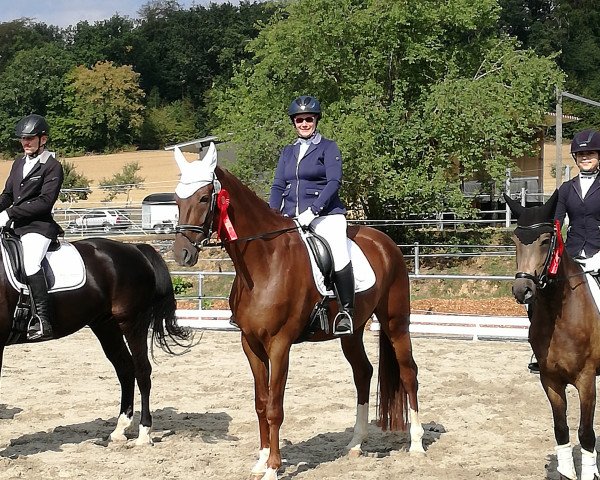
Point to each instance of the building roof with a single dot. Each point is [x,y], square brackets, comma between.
[195,146]
[550,119]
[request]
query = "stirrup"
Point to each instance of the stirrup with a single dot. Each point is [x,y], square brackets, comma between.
[343,324]
[39,329]
[533,365]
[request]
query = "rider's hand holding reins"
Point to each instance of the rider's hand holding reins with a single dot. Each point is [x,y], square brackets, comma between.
[306,217]
[4,218]
[591,264]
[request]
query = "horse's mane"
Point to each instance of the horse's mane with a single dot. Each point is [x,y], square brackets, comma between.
[238,190]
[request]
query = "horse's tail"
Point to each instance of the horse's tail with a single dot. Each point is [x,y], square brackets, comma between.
[392,403]
[165,329]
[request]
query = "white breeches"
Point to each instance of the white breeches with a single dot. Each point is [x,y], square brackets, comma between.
[333,229]
[35,247]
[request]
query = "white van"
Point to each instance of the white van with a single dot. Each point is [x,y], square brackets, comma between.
[160,212]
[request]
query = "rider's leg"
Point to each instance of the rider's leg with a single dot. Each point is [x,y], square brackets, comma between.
[35,247]
[333,229]
[344,282]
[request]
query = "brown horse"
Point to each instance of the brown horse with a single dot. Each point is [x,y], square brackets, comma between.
[127,291]
[273,295]
[565,328]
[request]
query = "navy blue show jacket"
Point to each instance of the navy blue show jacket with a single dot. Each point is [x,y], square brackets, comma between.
[313,182]
[583,233]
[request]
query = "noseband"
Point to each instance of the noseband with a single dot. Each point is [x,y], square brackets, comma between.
[550,269]
[207,226]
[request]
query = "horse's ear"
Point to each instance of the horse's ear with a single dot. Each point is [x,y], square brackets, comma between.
[550,206]
[210,159]
[515,207]
[180,159]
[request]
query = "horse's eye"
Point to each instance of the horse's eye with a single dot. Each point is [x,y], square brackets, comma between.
[546,241]
[204,199]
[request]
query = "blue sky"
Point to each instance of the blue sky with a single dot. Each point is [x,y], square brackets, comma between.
[68,12]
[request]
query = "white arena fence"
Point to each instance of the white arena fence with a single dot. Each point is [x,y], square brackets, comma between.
[473,327]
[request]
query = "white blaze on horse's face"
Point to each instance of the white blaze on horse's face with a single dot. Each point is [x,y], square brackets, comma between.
[196,174]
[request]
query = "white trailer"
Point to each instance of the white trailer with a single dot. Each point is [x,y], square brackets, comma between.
[160,212]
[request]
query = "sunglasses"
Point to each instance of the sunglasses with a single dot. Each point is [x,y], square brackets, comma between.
[299,120]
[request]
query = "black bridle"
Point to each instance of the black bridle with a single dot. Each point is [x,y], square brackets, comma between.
[208,225]
[545,277]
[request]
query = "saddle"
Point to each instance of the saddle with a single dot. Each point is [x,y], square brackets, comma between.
[12,246]
[321,253]
[62,265]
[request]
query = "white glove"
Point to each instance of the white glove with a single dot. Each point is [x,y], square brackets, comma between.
[591,264]
[4,218]
[306,217]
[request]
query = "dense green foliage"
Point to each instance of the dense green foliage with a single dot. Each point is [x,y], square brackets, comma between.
[420,96]
[122,82]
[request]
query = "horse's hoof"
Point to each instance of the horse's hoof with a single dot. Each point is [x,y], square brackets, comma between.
[354,453]
[117,438]
[416,450]
[144,437]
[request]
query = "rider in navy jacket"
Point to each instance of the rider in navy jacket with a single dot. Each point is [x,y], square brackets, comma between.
[579,198]
[306,185]
[312,183]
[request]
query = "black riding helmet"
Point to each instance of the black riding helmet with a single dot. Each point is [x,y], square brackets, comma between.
[32,126]
[305,104]
[585,141]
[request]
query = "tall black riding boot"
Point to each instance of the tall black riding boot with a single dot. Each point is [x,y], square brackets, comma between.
[40,326]
[344,284]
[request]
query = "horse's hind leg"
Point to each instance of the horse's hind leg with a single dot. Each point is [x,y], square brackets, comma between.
[362,371]
[138,344]
[395,344]
[116,351]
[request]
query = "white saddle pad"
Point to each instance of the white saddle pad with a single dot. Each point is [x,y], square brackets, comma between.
[364,276]
[593,284]
[64,269]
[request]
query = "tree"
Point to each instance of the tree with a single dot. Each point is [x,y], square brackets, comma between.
[33,82]
[401,86]
[75,185]
[122,182]
[107,40]
[106,106]
[167,125]
[23,34]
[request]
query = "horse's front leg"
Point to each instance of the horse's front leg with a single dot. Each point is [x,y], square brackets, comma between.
[555,391]
[586,386]
[362,371]
[279,355]
[259,364]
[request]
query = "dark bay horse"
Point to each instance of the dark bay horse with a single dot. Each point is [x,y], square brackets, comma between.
[128,290]
[565,328]
[273,295]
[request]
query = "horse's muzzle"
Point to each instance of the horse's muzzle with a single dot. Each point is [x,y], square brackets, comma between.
[524,290]
[184,252]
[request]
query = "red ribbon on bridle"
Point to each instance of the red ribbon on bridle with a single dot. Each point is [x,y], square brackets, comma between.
[557,252]
[224,221]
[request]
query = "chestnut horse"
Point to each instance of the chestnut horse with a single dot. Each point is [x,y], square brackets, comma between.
[127,291]
[565,328]
[274,293]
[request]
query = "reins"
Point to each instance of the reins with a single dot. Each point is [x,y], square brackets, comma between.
[210,220]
